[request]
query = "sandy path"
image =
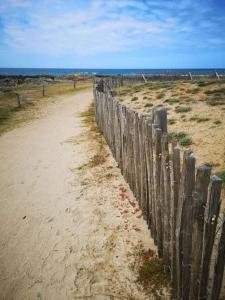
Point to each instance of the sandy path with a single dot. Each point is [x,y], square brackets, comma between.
[62,234]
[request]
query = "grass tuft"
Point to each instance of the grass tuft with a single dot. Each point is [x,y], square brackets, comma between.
[148,105]
[134,99]
[88,118]
[171,101]
[171,121]
[160,95]
[152,274]
[215,101]
[221,175]
[199,119]
[182,109]
[217,122]
[183,138]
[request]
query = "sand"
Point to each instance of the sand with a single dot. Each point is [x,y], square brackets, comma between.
[65,232]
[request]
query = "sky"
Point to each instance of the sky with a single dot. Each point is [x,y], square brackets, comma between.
[112,33]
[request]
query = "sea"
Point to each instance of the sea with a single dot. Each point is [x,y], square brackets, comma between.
[60,72]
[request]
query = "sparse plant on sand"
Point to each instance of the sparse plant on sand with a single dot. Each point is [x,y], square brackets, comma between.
[199,119]
[182,109]
[134,98]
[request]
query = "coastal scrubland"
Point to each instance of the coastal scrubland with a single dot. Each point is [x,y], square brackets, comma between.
[196,113]
[21,102]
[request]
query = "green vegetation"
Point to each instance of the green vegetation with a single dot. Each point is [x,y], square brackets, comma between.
[160,95]
[188,100]
[216,91]
[221,174]
[182,137]
[193,91]
[172,101]
[205,83]
[199,119]
[186,141]
[217,122]
[171,121]
[134,98]
[215,101]
[152,274]
[88,118]
[182,109]
[148,105]
[12,115]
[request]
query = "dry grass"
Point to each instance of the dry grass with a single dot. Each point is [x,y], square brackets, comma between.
[11,116]
[194,107]
[151,271]
[93,133]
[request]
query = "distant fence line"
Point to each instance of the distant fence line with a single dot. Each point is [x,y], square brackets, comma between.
[181,207]
[118,80]
[43,88]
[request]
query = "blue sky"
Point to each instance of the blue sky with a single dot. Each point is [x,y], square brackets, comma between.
[112,33]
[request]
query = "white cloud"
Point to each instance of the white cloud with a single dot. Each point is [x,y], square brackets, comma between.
[9,4]
[59,27]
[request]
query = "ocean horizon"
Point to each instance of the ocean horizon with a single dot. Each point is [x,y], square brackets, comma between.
[69,71]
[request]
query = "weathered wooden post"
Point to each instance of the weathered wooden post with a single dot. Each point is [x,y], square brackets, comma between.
[211,217]
[160,118]
[190,75]
[219,265]
[74,83]
[217,75]
[18,100]
[183,228]
[200,200]
[43,90]
[157,181]
[189,182]
[175,188]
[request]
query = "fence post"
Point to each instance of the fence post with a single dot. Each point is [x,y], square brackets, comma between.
[219,265]
[167,199]
[189,181]
[183,229]
[157,182]
[149,161]
[175,187]
[74,83]
[211,216]
[18,100]
[217,75]
[160,118]
[200,200]
[43,90]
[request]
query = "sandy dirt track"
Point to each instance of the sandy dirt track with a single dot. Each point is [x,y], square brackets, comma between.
[62,233]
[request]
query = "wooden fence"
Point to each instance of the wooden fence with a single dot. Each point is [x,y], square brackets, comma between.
[115,81]
[180,204]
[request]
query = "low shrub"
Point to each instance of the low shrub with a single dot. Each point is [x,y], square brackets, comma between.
[199,119]
[182,109]
[193,91]
[160,95]
[217,122]
[148,105]
[216,101]
[182,137]
[221,175]
[171,121]
[172,101]
[134,98]
[186,141]
[216,91]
